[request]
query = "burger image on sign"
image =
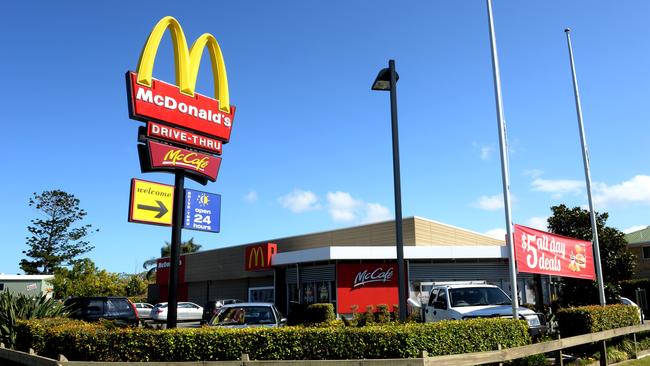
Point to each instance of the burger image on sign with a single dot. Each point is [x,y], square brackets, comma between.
[578,260]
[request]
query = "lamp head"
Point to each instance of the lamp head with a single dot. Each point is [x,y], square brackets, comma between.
[382,81]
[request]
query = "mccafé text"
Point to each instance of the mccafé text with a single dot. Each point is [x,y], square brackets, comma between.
[377,275]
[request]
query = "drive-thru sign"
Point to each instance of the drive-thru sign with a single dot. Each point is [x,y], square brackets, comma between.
[151,203]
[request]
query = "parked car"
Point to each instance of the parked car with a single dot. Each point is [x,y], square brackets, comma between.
[248,315]
[212,307]
[626,301]
[473,300]
[185,311]
[95,308]
[143,309]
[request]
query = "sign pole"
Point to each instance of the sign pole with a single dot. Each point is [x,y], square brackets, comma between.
[177,224]
[585,158]
[505,175]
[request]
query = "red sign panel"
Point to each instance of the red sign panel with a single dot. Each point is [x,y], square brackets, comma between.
[183,137]
[165,103]
[366,284]
[170,157]
[544,253]
[162,270]
[258,257]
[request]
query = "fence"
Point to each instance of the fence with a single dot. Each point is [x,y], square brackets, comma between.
[466,359]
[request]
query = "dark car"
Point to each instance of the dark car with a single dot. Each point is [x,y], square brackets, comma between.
[212,307]
[94,308]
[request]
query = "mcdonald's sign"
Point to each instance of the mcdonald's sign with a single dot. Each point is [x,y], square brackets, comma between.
[258,257]
[179,105]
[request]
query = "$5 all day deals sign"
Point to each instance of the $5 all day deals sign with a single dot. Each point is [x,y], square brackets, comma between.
[545,253]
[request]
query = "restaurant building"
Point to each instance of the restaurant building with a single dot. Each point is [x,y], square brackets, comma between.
[349,267]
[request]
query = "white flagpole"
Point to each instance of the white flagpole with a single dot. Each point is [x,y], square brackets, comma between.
[585,159]
[505,175]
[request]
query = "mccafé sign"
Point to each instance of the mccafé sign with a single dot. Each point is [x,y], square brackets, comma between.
[258,257]
[170,157]
[378,274]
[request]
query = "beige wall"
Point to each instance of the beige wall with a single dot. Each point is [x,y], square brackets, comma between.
[229,263]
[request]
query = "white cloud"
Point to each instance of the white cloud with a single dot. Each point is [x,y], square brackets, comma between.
[636,190]
[498,233]
[534,173]
[345,208]
[299,201]
[250,197]
[490,203]
[486,152]
[376,212]
[632,229]
[342,206]
[558,187]
[538,222]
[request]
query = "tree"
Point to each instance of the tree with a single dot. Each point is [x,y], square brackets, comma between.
[165,251]
[617,261]
[86,279]
[54,241]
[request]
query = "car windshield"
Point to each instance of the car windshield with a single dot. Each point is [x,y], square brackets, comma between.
[245,315]
[478,296]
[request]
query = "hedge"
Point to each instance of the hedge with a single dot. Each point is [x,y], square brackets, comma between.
[320,313]
[95,342]
[590,319]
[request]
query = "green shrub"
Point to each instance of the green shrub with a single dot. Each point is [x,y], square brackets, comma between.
[590,319]
[320,313]
[17,306]
[93,342]
[382,315]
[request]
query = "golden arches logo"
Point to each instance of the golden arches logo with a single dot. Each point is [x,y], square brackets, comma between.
[256,257]
[186,60]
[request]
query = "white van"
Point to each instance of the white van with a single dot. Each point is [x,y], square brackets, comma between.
[475,300]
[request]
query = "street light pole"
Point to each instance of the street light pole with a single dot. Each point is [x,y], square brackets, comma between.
[399,240]
[387,80]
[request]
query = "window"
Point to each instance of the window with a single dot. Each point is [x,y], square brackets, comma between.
[261,294]
[646,252]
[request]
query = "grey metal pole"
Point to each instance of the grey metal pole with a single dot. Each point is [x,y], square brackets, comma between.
[175,246]
[505,175]
[398,194]
[585,159]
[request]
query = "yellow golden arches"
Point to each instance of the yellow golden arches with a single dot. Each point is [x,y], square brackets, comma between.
[186,61]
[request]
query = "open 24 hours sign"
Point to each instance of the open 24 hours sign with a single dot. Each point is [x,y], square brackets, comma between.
[202,211]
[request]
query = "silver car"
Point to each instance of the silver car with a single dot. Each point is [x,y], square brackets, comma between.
[143,309]
[248,315]
[186,311]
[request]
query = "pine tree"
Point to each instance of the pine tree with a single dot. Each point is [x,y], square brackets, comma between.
[54,241]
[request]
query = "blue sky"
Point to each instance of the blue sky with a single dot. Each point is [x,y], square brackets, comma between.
[311,146]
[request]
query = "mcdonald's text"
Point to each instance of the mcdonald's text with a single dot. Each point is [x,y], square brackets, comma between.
[166,103]
[167,156]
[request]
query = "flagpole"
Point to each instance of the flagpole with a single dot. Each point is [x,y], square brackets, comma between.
[505,175]
[585,159]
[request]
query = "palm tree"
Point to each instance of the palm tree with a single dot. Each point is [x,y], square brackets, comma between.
[165,251]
